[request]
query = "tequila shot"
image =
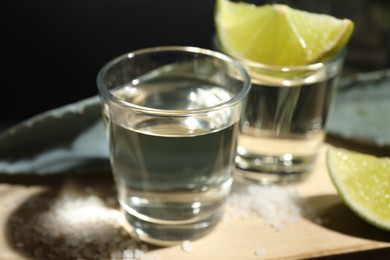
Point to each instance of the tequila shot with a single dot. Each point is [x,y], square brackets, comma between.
[172,120]
[284,124]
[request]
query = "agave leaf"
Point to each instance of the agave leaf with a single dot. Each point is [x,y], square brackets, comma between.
[63,140]
[361,111]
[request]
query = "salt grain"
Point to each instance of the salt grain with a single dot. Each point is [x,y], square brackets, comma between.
[186,246]
[73,228]
[128,254]
[276,205]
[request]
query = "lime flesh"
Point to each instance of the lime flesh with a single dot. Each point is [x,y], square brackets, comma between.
[277,34]
[363,182]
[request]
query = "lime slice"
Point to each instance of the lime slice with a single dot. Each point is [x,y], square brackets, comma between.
[277,34]
[363,182]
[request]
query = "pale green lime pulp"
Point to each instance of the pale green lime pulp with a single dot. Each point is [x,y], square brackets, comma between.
[363,182]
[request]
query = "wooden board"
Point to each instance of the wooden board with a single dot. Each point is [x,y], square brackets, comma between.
[234,238]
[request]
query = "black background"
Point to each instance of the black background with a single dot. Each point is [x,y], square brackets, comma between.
[52,50]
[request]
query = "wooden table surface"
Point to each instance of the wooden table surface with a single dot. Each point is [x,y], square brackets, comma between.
[340,235]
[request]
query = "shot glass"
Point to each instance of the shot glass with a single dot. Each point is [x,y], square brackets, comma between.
[172,119]
[284,124]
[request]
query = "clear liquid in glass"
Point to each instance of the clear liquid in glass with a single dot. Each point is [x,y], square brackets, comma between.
[283,129]
[173,174]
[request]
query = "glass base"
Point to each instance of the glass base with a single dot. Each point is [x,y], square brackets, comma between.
[273,169]
[161,234]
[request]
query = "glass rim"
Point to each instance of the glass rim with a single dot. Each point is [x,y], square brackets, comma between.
[246,82]
[312,66]
[258,65]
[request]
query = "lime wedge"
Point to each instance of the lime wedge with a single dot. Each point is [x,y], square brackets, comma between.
[277,34]
[363,182]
